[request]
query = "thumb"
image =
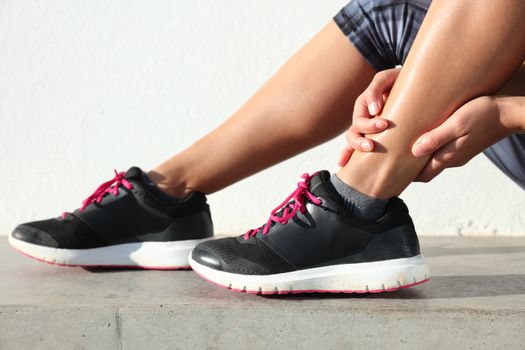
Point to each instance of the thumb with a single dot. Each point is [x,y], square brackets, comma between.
[433,140]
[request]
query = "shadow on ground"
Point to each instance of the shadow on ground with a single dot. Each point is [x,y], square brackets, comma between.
[439,287]
[452,251]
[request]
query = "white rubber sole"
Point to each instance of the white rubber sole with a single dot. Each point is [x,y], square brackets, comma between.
[145,255]
[372,277]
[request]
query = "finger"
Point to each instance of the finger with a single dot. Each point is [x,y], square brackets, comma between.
[449,156]
[360,109]
[345,156]
[357,142]
[363,144]
[433,140]
[432,169]
[380,85]
[369,126]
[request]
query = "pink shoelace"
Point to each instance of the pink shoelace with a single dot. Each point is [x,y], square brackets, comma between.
[293,203]
[110,186]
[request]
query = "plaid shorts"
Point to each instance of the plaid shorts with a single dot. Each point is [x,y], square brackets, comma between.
[383,32]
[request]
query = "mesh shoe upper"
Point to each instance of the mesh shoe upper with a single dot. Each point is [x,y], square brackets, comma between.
[247,256]
[322,234]
[133,214]
[69,232]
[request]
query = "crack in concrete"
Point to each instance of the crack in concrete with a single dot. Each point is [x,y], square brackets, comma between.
[118,322]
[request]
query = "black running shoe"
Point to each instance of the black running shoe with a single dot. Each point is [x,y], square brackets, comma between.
[126,222]
[312,244]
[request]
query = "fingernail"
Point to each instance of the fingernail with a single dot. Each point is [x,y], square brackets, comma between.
[365,146]
[381,124]
[373,108]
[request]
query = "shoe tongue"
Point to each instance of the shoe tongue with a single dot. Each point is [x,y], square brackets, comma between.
[320,185]
[133,173]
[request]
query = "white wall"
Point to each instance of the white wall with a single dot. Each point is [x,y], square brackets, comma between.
[88,86]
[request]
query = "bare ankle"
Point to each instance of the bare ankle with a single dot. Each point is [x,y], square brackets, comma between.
[172,185]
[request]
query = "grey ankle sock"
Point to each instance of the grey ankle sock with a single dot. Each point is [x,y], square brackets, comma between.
[360,205]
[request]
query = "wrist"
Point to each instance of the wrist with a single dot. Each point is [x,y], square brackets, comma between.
[512,112]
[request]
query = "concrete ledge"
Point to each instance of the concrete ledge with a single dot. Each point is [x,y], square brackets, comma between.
[476,300]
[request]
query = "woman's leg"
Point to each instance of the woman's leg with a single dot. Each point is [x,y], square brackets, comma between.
[464,49]
[308,101]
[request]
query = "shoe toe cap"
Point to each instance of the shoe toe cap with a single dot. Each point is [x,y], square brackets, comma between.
[205,256]
[33,235]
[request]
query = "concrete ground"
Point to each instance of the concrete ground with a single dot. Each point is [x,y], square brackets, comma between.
[475,300]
